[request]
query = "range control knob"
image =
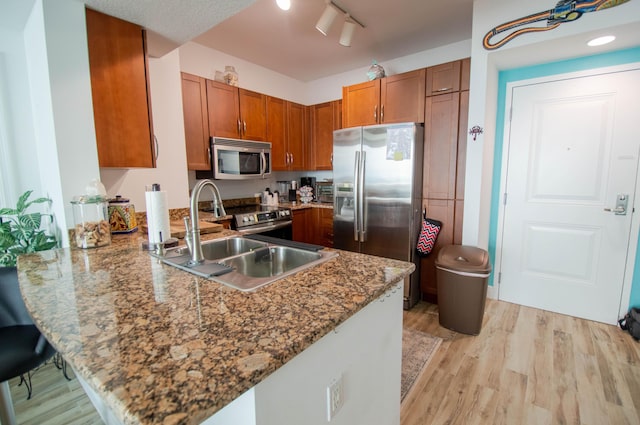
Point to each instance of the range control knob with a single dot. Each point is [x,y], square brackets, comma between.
[245,219]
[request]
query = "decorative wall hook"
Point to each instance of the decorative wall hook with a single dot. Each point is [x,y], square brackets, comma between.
[475,130]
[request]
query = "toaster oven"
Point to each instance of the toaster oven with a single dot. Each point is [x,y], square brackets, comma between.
[324,191]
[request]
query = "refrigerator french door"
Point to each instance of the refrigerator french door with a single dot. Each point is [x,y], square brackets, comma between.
[377,175]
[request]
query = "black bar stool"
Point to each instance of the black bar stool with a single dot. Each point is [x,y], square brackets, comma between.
[22,346]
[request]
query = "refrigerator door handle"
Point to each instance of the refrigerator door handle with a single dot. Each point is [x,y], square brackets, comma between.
[356,208]
[361,210]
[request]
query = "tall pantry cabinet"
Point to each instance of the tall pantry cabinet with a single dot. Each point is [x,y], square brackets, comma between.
[446,119]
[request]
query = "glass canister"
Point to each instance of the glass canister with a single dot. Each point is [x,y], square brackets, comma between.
[92,228]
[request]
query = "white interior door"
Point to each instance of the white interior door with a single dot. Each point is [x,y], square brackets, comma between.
[572,152]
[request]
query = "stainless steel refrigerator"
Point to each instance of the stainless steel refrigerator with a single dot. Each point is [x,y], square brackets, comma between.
[377,175]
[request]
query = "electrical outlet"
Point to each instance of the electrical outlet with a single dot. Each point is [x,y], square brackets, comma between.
[335,397]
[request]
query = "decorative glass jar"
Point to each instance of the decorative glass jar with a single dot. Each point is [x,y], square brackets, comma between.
[92,228]
[230,75]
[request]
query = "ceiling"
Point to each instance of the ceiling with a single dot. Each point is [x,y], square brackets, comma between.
[287,41]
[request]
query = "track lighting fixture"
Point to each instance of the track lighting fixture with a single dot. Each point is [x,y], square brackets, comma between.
[329,15]
[348,28]
[327,18]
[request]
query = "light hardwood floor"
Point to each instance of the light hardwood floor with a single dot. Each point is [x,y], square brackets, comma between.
[527,366]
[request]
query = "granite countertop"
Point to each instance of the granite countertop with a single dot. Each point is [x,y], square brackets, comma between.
[162,346]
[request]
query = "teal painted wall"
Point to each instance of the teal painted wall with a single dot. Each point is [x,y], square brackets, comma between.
[588,62]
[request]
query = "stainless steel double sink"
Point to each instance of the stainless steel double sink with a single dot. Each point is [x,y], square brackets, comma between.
[245,264]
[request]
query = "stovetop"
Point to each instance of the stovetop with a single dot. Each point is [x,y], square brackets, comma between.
[251,215]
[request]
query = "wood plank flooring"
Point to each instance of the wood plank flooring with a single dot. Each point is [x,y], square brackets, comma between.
[527,366]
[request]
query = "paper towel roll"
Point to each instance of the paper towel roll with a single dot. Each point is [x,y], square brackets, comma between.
[157,215]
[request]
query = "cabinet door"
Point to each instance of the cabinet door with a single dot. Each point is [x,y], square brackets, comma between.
[324,226]
[442,210]
[402,97]
[361,104]
[465,74]
[296,135]
[322,126]
[196,122]
[276,132]
[337,114]
[300,224]
[120,95]
[440,146]
[223,105]
[253,115]
[462,144]
[443,78]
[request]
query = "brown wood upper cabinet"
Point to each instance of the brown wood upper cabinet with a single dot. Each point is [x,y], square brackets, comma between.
[397,98]
[120,91]
[443,78]
[196,122]
[325,118]
[277,132]
[236,113]
[286,131]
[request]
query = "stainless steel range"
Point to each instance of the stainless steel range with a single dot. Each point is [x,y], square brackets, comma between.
[268,221]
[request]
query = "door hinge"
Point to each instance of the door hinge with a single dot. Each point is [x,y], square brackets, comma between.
[499,277]
[510,114]
[504,200]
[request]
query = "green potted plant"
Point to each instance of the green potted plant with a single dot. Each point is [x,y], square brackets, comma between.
[20,231]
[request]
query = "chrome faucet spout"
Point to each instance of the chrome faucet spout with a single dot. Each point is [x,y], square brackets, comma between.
[196,245]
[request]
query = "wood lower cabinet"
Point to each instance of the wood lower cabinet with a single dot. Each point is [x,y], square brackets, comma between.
[120,92]
[196,122]
[301,219]
[397,98]
[325,118]
[313,225]
[236,113]
[442,210]
[322,226]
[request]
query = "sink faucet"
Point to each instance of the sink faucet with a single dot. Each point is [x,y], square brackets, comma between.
[193,230]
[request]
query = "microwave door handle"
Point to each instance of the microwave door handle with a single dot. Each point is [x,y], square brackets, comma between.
[263,164]
[354,193]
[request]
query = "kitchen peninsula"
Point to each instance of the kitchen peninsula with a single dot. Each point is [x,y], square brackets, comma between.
[154,345]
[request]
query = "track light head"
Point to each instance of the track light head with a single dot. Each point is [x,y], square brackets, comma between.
[327,18]
[348,28]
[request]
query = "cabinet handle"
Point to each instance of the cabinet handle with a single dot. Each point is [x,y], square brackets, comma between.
[244,126]
[155,141]
[291,159]
[209,159]
[444,89]
[332,159]
[375,113]
[239,128]
[382,114]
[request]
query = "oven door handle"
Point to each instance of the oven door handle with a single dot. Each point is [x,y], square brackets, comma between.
[260,229]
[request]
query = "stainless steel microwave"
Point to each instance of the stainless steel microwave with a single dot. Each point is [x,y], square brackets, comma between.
[233,159]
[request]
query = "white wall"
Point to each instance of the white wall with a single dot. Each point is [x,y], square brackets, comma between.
[330,88]
[528,49]
[16,130]
[46,96]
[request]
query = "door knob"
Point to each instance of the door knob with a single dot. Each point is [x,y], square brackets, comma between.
[621,205]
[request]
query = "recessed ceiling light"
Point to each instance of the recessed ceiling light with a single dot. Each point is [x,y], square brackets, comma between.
[601,40]
[284,4]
